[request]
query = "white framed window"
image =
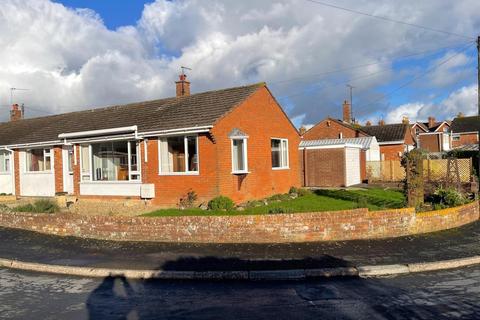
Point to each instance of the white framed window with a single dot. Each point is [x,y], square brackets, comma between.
[178,155]
[38,160]
[279,153]
[110,161]
[239,155]
[4,161]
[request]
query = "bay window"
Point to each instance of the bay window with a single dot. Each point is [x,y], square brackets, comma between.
[279,153]
[4,161]
[239,155]
[110,161]
[38,160]
[178,154]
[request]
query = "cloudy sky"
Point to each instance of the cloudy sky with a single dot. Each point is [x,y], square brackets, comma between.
[74,54]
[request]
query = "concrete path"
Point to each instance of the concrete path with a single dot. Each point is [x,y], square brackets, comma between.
[33,247]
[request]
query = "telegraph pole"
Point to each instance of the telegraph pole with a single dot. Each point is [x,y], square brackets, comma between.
[478,75]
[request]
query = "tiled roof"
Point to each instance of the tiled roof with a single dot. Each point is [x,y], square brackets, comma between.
[467,147]
[387,132]
[466,124]
[365,142]
[201,109]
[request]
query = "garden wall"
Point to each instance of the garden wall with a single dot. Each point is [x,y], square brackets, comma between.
[298,227]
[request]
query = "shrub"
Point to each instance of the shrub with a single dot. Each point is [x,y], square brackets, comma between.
[188,200]
[221,203]
[303,192]
[39,206]
[447,198]
[278,210]
[279,197]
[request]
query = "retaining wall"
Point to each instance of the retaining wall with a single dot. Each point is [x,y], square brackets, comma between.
[298,227]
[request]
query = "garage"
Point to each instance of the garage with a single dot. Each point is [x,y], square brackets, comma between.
[330,165]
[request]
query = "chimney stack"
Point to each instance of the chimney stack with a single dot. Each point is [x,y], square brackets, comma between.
[347,112]
[302,130]
[183,86]
[16,113]
[368,123]
[460,115]
[405,120]
[431,122]
[381,122]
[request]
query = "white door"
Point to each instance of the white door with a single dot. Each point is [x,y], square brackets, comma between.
[67,155]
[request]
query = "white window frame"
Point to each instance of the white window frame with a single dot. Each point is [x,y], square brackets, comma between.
[47,153]
[8,156]
[185,148]
[245,155]
[130,172]
[287,164]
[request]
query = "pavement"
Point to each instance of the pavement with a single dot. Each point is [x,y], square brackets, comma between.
[31,247]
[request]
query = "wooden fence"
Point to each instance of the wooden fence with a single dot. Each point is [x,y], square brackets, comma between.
[433,170]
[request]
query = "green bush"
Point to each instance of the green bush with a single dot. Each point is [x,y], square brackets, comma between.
[300,191]
[39,206]
[278,210]
[279,197]
[447,198]
[221,203]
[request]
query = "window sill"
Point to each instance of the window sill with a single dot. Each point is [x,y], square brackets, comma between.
[5,173]
[112,182]
[281,168]
[240,172]
[179,174]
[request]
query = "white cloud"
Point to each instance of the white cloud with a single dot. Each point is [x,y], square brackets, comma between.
[462,100]
[69,59]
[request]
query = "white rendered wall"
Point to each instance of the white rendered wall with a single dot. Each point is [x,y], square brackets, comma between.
[36,184]
[352,166]
[114,188]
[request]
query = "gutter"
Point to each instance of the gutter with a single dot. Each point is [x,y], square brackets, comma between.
[391,142]
[175,131]
[91,133]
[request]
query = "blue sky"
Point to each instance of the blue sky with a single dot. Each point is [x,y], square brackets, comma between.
[69,61]
[115,13]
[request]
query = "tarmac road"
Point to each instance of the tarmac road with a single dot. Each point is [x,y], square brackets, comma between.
[453,294]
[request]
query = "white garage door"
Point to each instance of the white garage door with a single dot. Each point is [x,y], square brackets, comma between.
[352,166]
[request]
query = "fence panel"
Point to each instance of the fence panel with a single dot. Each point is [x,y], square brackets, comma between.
[385,171]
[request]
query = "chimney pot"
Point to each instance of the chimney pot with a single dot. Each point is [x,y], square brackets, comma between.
[368,123]
[405,120]
[182,86]
[381,122]
[347,112]
[302,130]
[431,122]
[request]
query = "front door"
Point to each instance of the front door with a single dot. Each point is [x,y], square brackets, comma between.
[67,155]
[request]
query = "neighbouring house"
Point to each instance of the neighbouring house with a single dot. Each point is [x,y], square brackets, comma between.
[333,164]
[432,136]
[236,142]
[331,128]
[394,139]
[320,174]
[465,131]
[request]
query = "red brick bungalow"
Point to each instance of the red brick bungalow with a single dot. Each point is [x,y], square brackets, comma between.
[394,139]
[236,142]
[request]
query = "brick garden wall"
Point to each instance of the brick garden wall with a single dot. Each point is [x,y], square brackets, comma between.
[299,227]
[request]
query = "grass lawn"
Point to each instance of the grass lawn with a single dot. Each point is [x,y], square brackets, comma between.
[319,200]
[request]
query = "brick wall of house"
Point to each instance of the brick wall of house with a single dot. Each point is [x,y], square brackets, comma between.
[391,151]
[430,142]
[296,227]
[330,129]
[363,165]
[467,138]
[261,118]
[170,188]
[58,168]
